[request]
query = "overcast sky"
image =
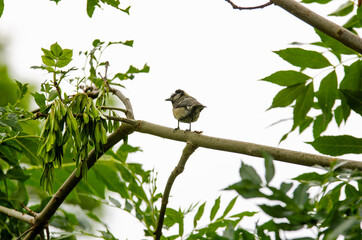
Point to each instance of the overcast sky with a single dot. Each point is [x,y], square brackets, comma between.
[204,47]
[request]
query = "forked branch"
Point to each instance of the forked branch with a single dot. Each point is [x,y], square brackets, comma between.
[186,153]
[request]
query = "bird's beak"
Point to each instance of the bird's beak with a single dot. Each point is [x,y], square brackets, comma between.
[168,99]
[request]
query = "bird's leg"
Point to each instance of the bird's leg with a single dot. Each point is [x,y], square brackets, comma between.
[178,126]
[189,128]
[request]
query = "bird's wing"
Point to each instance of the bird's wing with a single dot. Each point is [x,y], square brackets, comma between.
[188,102]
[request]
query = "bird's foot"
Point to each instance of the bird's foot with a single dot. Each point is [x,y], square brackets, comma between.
[198,132]
[176,129]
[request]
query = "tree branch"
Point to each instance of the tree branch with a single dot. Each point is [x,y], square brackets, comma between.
[119,94]
[251,149]
[248,8]
[16,214]
[43,217]
[341,34]
[186,153]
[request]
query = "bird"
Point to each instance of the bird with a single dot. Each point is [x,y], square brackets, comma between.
[185,108]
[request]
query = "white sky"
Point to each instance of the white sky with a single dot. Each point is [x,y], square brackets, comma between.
[204,47]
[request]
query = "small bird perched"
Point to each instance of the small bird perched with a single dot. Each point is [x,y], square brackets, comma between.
[185,108]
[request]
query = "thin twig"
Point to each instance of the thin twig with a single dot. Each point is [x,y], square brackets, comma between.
[29,210]
[248,8]
[23,234]
[119,94]
[114,108]
[186,153]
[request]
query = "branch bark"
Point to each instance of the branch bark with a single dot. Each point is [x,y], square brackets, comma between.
[186,153]
[251,149]
[341,34]
[16,214]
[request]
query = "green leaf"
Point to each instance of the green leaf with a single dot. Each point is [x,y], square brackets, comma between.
[320,124]
[285,187]
[17,173]
[1,7]
[115,202]
[247,189]
[353,22]
[128,43]
[287,95]
[52,95]
[229,207]
[316,1]
[96,42]
[351,191]
[337,145]
[301,195]
[303,58]
[40,100]
[338,115]
[199,214]
[22,89]
[48,61]
[56,50]
[353,77]
[133,69]
[124,150]
[354,99]
[359,14]
[312,178]
[48,53]
[327,92]
[243,214]
[287,78]
[343,10]
[174,216]
[269,166]
[215,209]
[345,108]
[65,58]
[247,172]
[342,227]
[303,104]
[91,5]
[305,124]
[276,211]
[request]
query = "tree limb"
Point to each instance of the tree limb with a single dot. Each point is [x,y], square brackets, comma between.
[186,153]
[341,34]
[251,149]
[16,214]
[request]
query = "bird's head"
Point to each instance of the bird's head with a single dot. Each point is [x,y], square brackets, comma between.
[176,95]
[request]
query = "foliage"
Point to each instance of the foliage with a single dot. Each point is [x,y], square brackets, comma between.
[45,146]
[72,126]
[329,203]
[337,94]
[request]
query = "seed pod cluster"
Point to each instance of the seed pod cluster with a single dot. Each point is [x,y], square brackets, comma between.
[82,122]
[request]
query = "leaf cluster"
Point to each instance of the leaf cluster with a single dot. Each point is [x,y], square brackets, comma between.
[70,127]
[317,100]
[328,203]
